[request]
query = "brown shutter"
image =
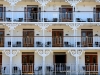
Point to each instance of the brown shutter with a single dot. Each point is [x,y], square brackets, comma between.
[25,12]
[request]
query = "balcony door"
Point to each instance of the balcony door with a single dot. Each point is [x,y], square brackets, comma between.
[91,61]
[32,13]
[57,37]
[2,13]
[66,13]
[1,37]
[28,37]
[27,62]
[59,60]
[87,37]
[97,13]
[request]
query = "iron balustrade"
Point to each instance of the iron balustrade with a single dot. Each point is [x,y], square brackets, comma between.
[50,16]
[37,41]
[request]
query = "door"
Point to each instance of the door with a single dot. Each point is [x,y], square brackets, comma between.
[66,14]
[91,61]
[1,37]
[60,61]
[28,37]
[57,37]
[97,13]
[32,13]
[0,61]
[28,62]
[87,37]
[2,13]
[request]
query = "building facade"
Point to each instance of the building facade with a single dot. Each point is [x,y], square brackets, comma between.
[50,37]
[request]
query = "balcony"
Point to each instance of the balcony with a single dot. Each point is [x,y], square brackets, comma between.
[50,16]
[37,41]
[54,69]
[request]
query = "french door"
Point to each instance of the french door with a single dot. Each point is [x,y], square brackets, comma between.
[28,37]
[28,62]
[87,37]
[57,37]
[91,62]
[66,14]
[1,37]
[32,13]
[2,13]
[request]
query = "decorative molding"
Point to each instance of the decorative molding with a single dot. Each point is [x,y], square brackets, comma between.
[97,0]
[43,26]
[74,26]
[73,2]
[43,52]
[12,2]
[11,53]
[75,52]
[11,26]
[43,2]
[98,24]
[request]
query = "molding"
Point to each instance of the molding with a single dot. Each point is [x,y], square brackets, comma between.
[97,0]
[98,24]
[11,26]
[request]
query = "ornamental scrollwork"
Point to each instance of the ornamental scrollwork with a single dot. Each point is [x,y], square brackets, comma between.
[12,2]
[43,53]
[76,53]
[43,2]
[73,2]
[12,26]
[11,53]
[14,52]
[7,52]
[74,26]
[43,26]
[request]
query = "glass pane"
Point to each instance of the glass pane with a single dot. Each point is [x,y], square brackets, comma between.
[94,59]
[87,59]
[30,59]
[24,59]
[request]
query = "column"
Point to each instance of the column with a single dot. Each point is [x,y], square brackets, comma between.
[10,53]
[43,53]
[43,65]
[76,53]
[73,14]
